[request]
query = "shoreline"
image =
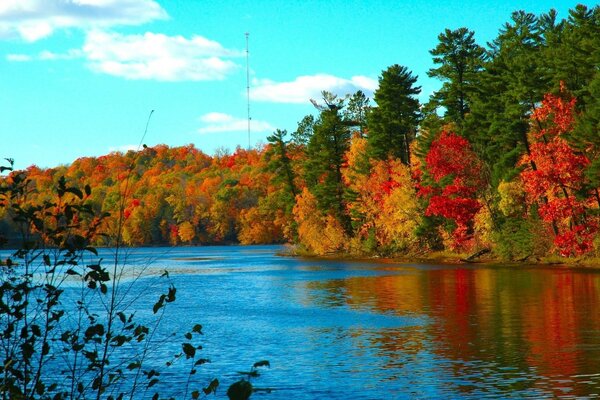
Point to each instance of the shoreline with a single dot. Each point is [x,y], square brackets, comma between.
[434,258]
[454,259]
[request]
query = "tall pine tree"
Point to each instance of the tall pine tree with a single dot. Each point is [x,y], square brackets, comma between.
[459,59]
[392,125]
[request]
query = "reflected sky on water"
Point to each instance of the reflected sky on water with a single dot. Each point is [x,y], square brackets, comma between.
[341,329]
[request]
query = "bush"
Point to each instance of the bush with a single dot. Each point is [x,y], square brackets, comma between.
[65,330]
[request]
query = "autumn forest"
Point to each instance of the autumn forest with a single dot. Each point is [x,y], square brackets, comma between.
[503,160]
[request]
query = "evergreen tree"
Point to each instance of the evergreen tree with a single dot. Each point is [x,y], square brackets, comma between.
[325,157]
[573,51]
[356,111]
[303,133]
[392,125]
[513,83]
[586,137]
[459,59]
[280,163]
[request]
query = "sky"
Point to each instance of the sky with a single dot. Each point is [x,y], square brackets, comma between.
[81,77]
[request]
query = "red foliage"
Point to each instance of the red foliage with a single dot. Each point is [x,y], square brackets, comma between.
[558,111]
[450,159]
[576,241]
[173,232]
[557,176]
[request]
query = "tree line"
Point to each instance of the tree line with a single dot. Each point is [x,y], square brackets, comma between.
[504,157]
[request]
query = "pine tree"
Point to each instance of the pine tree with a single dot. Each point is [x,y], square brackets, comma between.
[459,59]
[392,125]
[326,151]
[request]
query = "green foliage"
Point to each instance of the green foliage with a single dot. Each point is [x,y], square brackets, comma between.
[303,133]
[393,123]
[279,162]
[326,152]
[460,59]
[520,239]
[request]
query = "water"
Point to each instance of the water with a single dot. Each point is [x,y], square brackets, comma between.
[340,330]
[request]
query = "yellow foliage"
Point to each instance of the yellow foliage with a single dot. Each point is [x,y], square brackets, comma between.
[356,163]
[320,234]
[483,226]
[386,202]
[400,215]
[186,232]
[512,198]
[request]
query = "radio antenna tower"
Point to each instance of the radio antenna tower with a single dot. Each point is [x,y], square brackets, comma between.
[248,86]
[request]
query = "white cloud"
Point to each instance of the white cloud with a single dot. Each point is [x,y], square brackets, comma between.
[307,87]
[18,57]
[51,56]
[158,57]
[46,56]
[219,122]
[32,20]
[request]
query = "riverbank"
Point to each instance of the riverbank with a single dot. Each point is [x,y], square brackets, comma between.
[448,258]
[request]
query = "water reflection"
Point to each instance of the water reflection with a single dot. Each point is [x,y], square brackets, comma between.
[531,331]
[339,330]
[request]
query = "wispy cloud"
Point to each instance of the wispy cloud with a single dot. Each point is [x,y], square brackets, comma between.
[46,56]
[19,57]
[219,122]
[158,57]
[32,20]
[303,88]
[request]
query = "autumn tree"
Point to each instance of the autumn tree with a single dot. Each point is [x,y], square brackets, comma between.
[385,210]
[455,175]
[319,233]
[559,177]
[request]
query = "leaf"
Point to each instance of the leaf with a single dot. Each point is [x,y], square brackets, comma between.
[263,363]
[171,295]
[159,304]
[35,329]
[134,365]
[75,191]
[121,316]
[188,350]
[45,348]
[212,387]
[72,272]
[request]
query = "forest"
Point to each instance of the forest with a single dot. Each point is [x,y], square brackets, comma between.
[503,159]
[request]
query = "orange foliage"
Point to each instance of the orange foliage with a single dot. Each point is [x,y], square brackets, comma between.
[321,234]
[385,203]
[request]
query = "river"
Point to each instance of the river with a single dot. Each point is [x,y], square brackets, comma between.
[362,330]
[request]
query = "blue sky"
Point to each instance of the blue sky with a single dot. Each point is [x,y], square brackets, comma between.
[80,77]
